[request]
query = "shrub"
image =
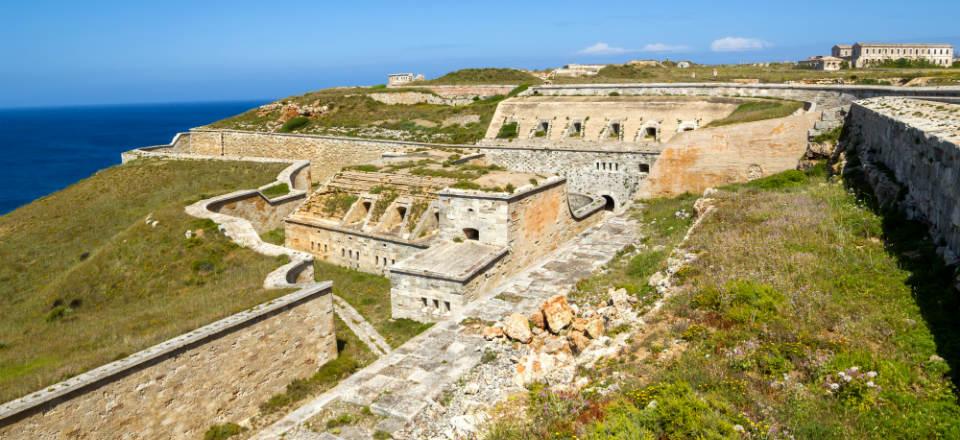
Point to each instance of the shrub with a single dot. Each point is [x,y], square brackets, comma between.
[220,432]
[366,168]
[508,131]
[341,420]
[903,63]
[294,124]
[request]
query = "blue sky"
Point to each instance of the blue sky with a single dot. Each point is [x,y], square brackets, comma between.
[102,52]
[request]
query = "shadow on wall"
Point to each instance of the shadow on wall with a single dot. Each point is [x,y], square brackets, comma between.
[931,280]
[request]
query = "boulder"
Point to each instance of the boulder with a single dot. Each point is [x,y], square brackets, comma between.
[579,324]
[595,328]
[578,341]
[555,344]
[536,318]
[517,328]
[620,299]
[557,312]
[491,333]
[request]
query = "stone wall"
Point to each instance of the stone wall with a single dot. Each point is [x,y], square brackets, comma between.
[589,120]
[341,246]
[328,154]
[909,151]
[465,91]
[263,214]
[616,174]
[822,95]
[701,159]
[411,98]
[179,388]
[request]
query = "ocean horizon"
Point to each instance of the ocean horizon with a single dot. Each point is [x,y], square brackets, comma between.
[46,149]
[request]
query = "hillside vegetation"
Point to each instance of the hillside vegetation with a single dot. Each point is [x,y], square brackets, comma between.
[85,279]
[807,314]
[774,73]
[350,112]
[488,75]
[757,110]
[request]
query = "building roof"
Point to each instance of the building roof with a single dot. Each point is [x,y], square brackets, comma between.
[451,261]
[843,46]
[938,45]
[400,74]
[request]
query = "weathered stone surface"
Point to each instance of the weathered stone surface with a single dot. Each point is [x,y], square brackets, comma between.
[578,341]
[579,324]
[537,319]
[557,312]
[517,328]
[490,333]
[595,328]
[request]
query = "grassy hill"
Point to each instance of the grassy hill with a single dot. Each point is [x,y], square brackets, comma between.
[487,75]
[84,280]
[807,314]
[351,112]
[774,73]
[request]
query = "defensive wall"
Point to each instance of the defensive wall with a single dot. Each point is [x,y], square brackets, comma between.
[909,151]
[179,388]
[821,95]
[462,91]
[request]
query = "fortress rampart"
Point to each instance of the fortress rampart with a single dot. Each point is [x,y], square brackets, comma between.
[177,389]
[909,151]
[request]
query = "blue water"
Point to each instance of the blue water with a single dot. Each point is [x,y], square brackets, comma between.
[43,150]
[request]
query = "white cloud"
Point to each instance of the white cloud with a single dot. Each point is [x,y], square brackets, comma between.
[602,48]
[738,44]
[663,47]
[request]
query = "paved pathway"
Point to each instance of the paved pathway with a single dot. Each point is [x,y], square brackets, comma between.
[401,384]
[360,327]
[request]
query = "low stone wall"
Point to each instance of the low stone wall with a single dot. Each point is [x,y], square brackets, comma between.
[821,95]
[464,91]
[411,98]
[909,151]
[347,248]
[177,389]
[697,160]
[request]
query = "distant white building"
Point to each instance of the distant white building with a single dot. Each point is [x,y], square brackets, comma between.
[396,79]
[867,54]
[683,64]
[820,62]
[575,70]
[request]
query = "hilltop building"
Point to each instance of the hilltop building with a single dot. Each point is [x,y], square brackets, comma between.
[844,51]
[399,79]
[866,54]
[577,70]
[820,62]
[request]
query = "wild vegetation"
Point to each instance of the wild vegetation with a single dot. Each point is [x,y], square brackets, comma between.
[773,73]
[807,314]
[103,268]
[370,295]
[757,110]
[350,112]
[485,76]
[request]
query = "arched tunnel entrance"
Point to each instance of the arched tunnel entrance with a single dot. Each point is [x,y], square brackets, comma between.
[610,204]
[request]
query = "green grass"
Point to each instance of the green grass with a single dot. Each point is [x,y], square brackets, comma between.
[277,190]
[352,113]
[485,76]
[775,73]
[224,431]
[370,295]
[508,131]
[758,110]
[85,281]
[276,236]
[352,356]
[797,279]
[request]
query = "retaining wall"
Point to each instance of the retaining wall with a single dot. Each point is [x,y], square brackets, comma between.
[910,153]
[177,389]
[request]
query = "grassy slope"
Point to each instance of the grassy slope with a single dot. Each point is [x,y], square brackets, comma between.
[487,75]
[370,295]
[353,114]
[759,110]
[773,74]
[84,281]
[797,280]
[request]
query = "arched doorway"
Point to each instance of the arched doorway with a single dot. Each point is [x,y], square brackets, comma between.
[471,233]
[610,204]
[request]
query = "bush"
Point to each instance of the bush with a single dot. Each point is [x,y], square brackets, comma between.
[903,63]
[294,124]
[220,432]
[508,131]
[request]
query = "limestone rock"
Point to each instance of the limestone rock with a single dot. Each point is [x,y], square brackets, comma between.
[557,312]
[595,328]
[555,344]
[578,341]
[536,318]
[579,324]
[517,328]
[491,333]
[620,299]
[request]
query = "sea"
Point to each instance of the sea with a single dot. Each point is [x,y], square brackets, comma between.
[43,150]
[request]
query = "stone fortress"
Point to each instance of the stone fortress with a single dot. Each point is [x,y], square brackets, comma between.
[536,201]
[862,55]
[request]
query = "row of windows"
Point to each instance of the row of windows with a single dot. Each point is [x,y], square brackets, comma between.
[351,254]
[885,51]
[614,166]
[436,303]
